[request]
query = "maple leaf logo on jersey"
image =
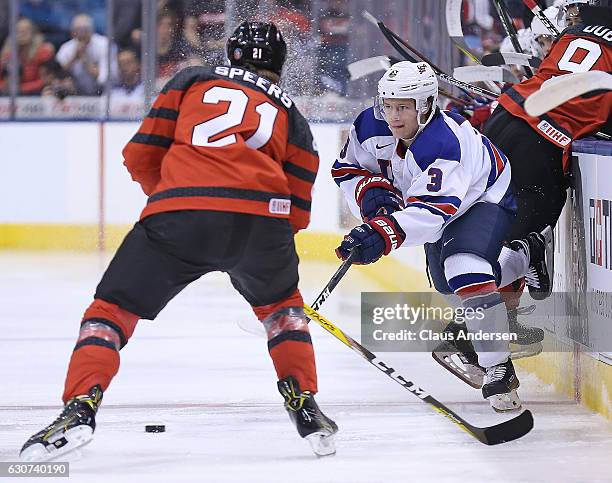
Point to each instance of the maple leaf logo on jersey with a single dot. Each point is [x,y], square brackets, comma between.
[421,69]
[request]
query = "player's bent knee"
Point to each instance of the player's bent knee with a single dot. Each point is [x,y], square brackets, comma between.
[110,315]
[469,275]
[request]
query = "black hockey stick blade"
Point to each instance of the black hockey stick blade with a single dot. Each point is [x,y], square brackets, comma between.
[510,430]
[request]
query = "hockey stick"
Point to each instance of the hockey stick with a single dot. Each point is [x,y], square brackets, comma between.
[558,90]
[395,41]
[333,281]
[510,30]
[455,32]
[370,65]
[453,27]
[500,433]
[538,12]
[508,58]
[479,73]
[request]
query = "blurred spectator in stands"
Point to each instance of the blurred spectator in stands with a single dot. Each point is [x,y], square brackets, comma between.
[32,50]
[53,17]
[4,21]
[477,24]
[205,29]
[129,85]
[85,57]
[172,49]
[56,81]
[334,27]
[127,22]
[292,19]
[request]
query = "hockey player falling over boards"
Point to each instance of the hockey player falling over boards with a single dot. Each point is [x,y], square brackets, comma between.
[238,168]
[418,176]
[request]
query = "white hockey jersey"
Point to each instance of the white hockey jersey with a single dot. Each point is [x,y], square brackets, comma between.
[449,167]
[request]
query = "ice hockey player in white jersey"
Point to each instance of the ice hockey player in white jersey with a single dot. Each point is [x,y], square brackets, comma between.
[419,176]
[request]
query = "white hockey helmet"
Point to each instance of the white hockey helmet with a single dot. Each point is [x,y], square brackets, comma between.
[409,80]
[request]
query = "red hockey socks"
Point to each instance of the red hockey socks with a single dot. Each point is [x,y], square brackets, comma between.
[289,341]
[105,329]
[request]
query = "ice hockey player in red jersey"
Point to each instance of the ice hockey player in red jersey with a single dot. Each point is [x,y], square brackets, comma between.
[228,164]
[538,147]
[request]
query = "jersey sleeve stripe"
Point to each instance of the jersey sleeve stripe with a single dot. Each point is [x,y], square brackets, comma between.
[300,203]
[152,140]
[163,113]
[158,127]
[437,200]
[300,188]
[342,179]
[302,158]
[299,172]
[498,161]
[339,164]
[432,209]
[339,172]
[299,218]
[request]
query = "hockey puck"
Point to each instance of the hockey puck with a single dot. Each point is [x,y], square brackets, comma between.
[155,428]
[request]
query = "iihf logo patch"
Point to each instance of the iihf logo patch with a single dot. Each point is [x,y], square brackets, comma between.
[237,54]
[392,74]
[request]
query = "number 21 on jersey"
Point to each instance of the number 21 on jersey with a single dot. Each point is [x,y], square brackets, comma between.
[238,101]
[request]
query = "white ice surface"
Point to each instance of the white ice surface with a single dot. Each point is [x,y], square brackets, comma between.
[213,386]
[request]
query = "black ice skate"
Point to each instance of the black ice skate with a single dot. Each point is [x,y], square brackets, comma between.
[456,354]
[72,429]
[500,387]
[529,339]
[310,422]
[539,247]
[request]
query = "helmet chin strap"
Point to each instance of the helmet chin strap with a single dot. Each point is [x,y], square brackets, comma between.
[421,125]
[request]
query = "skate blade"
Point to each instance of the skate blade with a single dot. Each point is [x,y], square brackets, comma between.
[521,351]
[502,403]
[322,444]
[468,373]
[75,438]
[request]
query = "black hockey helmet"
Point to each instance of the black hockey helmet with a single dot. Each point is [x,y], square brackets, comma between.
[259,44]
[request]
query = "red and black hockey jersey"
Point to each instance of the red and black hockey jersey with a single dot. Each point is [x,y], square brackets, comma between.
[578,49]
[225,139]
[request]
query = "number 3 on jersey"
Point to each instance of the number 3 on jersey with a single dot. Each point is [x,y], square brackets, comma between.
[238,102]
